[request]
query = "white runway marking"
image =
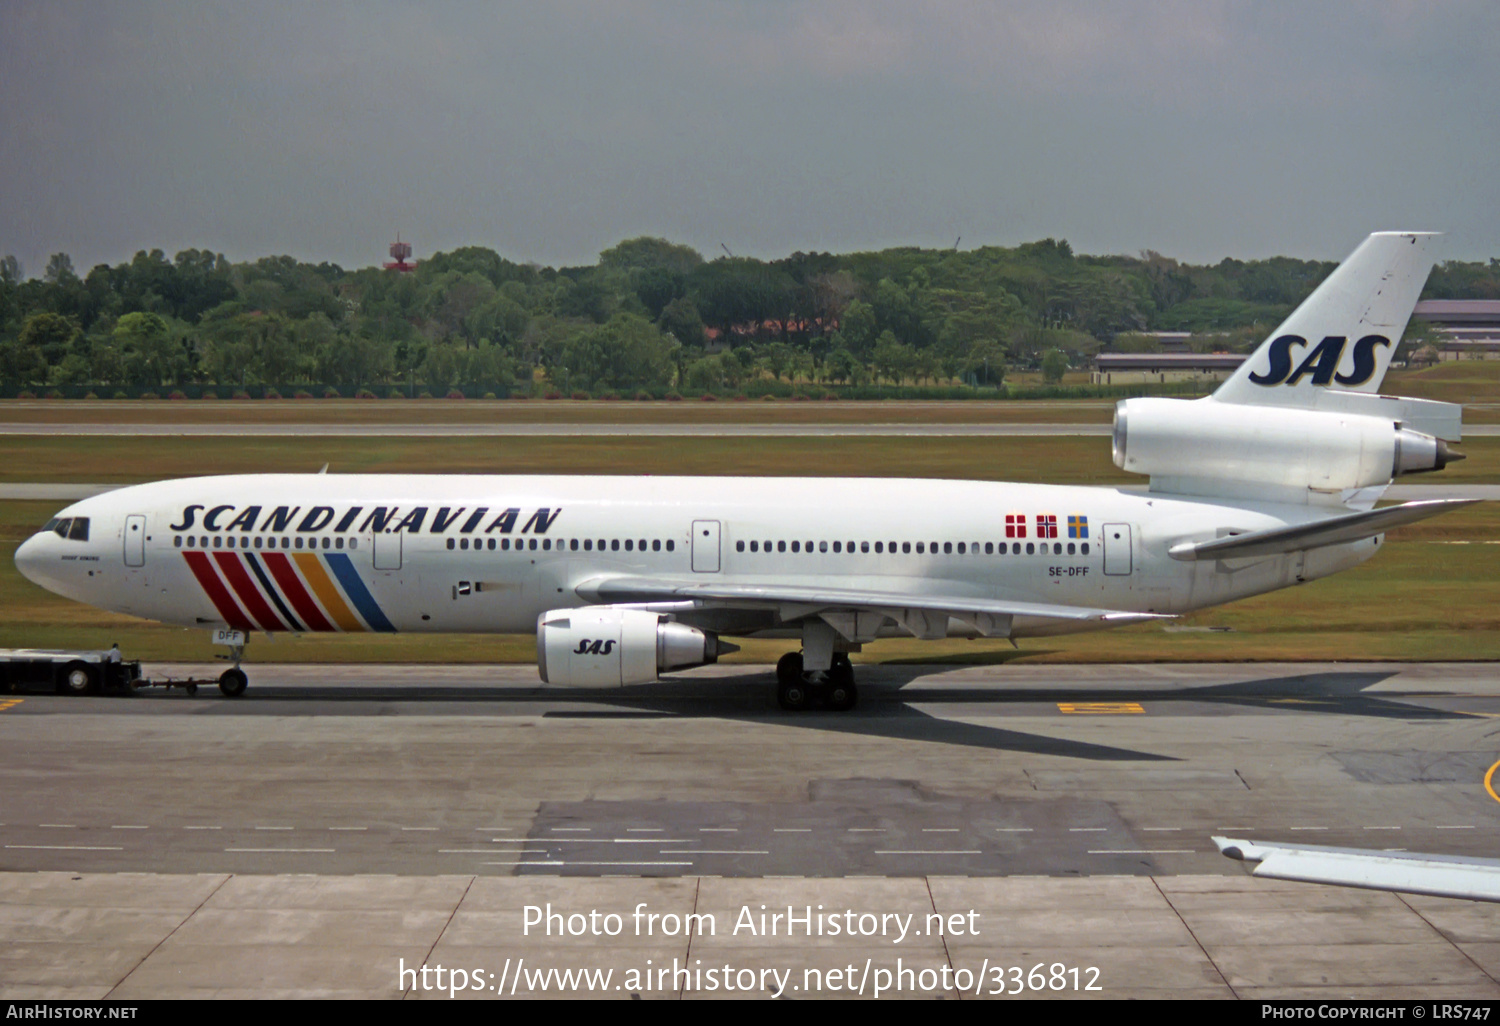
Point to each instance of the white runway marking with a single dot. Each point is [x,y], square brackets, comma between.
[61,847]
[641,863]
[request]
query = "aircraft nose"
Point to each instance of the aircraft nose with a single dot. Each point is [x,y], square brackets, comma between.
[29,559]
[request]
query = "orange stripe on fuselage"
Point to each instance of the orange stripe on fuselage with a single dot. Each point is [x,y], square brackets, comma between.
[323,587]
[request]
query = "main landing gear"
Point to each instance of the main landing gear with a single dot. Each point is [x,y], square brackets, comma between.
[798,690]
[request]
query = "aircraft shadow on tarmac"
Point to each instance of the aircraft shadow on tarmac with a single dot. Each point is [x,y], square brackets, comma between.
[890,707]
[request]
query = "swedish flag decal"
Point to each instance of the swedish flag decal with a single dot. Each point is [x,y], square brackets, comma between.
[1078,527]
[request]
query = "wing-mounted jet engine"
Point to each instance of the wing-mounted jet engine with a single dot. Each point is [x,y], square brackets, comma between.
[604,646]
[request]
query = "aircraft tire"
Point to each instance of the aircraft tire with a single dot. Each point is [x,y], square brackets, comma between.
[233,682]
[789,669]
[793,696]
[78,679]
[841,693]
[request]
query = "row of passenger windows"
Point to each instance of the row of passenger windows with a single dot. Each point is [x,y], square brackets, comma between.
[221,541]
[568,544]
[611,544]
[921,548]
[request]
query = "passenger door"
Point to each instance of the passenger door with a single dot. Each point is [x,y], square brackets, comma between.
[706,546]
[387,554]
[135,540]
[1117,550]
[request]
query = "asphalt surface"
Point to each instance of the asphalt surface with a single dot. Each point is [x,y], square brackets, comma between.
[1043,830]
[982,771]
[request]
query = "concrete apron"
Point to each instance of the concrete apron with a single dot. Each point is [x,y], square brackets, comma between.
[136,936]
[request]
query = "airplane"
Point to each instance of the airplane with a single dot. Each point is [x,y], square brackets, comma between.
[1269,482]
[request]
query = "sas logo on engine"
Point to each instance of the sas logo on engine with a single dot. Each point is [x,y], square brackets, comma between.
[587,647]
[1322,363]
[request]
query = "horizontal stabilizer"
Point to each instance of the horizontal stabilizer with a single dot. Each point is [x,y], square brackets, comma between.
[650,589]
[1448,876]
[1332,531]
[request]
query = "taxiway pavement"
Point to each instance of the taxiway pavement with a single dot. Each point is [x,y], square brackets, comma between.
[340,822]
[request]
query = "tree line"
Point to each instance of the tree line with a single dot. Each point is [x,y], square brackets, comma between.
[649,315]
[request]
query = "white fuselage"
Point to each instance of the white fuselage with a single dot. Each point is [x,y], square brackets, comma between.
[491,553]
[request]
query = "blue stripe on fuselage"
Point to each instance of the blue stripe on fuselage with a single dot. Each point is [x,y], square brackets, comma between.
[343,568]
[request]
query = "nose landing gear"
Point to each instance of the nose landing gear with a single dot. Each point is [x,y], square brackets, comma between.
[798,690]
[232,682]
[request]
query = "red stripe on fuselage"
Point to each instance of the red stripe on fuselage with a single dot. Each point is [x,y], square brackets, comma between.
[217,593]
[291,587]
[244,587]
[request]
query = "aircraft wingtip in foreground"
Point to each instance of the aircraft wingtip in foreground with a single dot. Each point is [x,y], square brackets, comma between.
[1269,482]
[1447,876]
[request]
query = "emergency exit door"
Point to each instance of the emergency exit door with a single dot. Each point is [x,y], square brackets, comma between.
[706,546]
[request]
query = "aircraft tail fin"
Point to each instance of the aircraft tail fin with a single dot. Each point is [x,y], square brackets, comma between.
[1342,337]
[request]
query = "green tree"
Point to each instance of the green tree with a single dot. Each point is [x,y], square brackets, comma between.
[857,331]
[892,359]
[1054,366]
[680,319]
[627,352]
[51,334]
[145,344]
[645,253]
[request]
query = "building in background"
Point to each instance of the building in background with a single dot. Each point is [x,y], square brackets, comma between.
[1163,368]
[1467,329]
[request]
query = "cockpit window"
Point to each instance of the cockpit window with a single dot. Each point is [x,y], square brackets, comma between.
[71,528]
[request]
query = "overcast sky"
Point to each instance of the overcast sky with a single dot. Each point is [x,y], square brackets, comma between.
[550,131]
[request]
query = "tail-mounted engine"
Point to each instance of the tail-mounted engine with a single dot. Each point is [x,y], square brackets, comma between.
[601,646]
[1278,453]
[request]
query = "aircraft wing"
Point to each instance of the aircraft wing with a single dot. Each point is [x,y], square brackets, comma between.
[618,590]
[1333,531]
[1448,876]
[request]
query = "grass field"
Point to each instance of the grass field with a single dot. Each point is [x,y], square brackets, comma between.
[1432,593]
[1059,460]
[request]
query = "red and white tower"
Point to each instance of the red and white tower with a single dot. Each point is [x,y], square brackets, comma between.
[400,252]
